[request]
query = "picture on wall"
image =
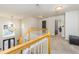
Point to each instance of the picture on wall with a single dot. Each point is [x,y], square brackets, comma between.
[8,29]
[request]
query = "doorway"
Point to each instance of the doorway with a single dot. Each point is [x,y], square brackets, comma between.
[56,27]
[44,26]
[60,23]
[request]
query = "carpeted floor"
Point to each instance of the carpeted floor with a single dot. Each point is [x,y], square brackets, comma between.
[61,46]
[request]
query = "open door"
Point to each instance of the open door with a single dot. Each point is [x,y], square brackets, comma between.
[56,27]
[44,25]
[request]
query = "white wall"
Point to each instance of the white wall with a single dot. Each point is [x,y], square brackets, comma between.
[71,23]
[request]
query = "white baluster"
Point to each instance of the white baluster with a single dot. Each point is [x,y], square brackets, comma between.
[30,50]
[42,47]
[35,50]
[38,47]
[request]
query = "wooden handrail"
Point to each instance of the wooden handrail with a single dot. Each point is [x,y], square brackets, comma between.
[28,43]
[30,30]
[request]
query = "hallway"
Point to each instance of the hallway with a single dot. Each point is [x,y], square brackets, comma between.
[39,29]
[15,25]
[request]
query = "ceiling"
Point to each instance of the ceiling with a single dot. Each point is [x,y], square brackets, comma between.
[35,10]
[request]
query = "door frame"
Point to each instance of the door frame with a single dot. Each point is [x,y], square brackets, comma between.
[45,23]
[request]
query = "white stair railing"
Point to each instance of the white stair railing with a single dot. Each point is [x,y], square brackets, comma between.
[37,48]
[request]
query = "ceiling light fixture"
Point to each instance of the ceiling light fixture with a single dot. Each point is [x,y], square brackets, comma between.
[59,8]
